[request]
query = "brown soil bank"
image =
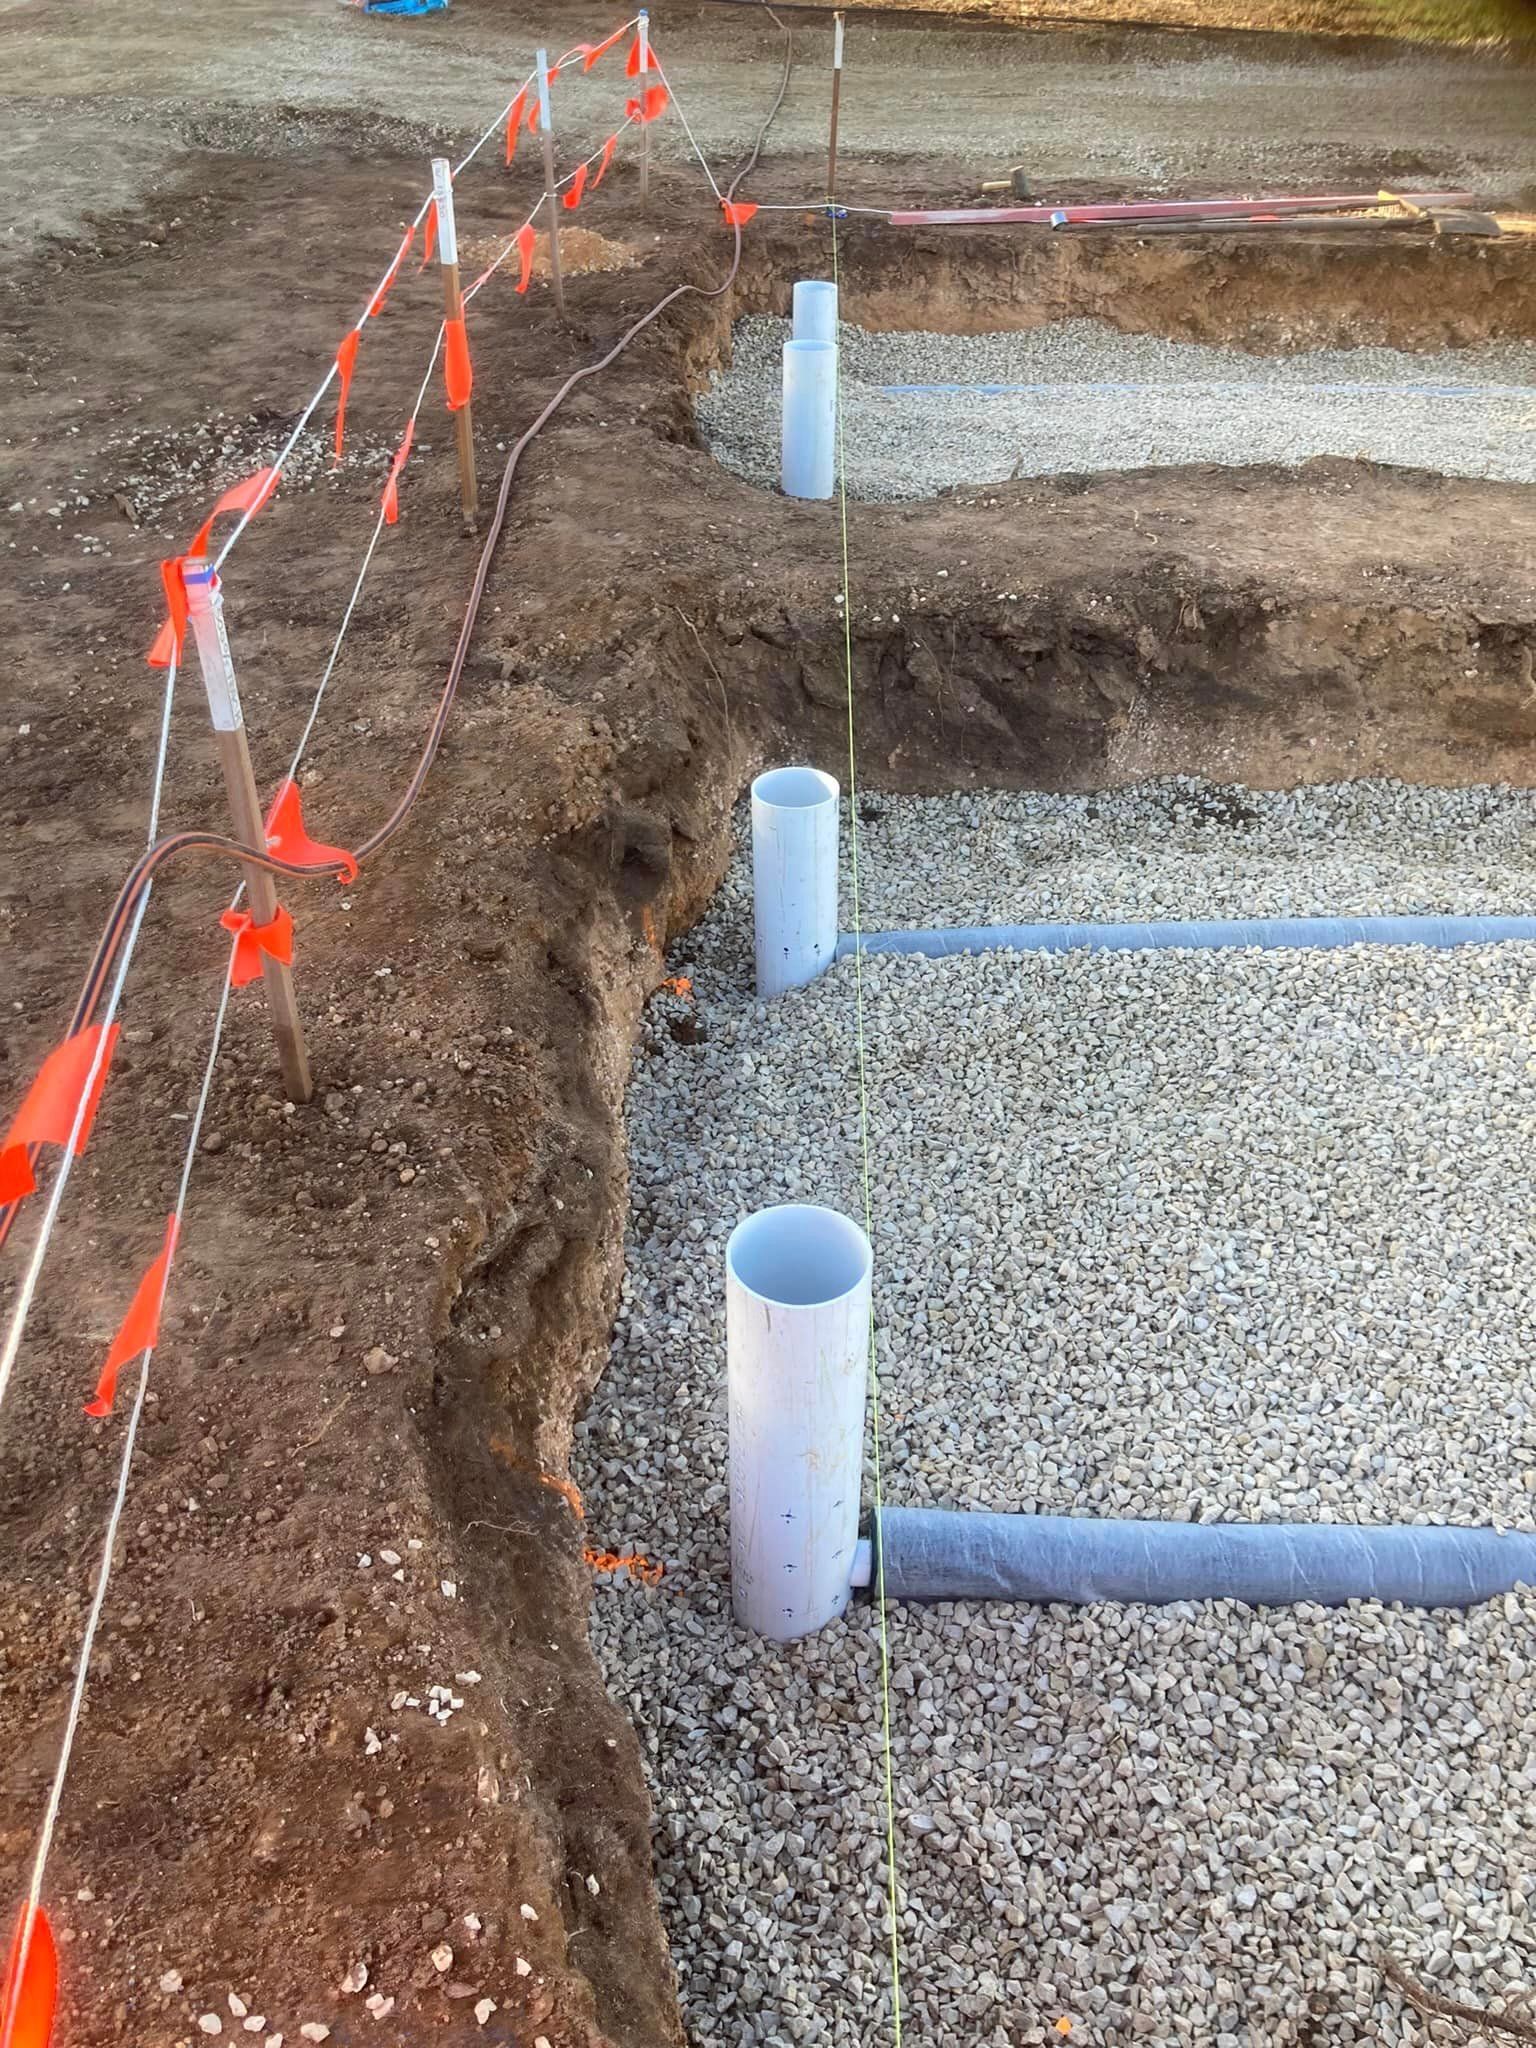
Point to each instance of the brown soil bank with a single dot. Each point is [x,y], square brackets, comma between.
[391,1304]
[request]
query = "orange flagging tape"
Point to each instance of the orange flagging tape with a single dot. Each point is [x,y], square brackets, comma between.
[567,1492]
[604,161]
[48,1114]
[346,363]
[678,985]
[458,375]
[590,52]
[525,241]
[429,243]
[287,838]
[645,1569]
[392,485]
[172,635]
[252,940]
[738,211]
[533,111]
[632,61]
[249,495]
[648,106]
[140,1328]
[578,186]
[31,1989]
[381,296]
[515,122]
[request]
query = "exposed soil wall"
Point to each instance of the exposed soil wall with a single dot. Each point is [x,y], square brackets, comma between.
[392,1304]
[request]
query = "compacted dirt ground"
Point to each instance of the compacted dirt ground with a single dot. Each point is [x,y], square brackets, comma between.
[389,1305]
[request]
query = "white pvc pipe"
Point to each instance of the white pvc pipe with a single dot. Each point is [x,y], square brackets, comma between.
[808,440]
[815,310]
[797,1307]
[794,877]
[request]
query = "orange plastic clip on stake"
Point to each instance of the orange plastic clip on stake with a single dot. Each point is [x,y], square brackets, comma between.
[346,363]
[572,198]
[30,1993]
[632,61]
[252,940]
[525,241]
[515,122]
[48,1115]
[139,1330]
[286,836]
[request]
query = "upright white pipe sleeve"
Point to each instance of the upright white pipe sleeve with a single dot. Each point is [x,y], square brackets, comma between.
[794,877]
[808,440]
[815,310]
[797,1294]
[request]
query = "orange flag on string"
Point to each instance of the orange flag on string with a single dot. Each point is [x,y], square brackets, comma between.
[139,1330]
[578,185]
[30,1992]
[346,363]
[392,485]
[604,161]
[525,240]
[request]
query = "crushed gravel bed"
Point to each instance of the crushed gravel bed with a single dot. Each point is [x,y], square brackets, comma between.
[1098,399]
[1220,1236]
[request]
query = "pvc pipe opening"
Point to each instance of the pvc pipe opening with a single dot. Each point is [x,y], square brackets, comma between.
[814,316]
[798,1255]
[795,789]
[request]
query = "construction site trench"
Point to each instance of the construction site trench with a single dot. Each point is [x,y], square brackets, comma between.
[396,1303]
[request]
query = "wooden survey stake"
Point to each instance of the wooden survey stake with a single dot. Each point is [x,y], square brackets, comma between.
[205,615]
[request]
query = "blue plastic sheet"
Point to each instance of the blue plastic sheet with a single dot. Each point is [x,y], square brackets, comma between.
[405,6]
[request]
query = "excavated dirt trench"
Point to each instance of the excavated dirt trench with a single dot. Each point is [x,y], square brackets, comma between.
[396,1302]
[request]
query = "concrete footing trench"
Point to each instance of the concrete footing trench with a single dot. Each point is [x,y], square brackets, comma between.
[1180,1236]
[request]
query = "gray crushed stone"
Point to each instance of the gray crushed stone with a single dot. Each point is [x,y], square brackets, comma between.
[1102,400]
[1224,1236]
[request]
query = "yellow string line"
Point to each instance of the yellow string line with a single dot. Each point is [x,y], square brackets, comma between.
[869,1226]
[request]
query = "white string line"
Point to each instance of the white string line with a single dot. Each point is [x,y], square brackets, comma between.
[109,1544]
[362,575]
[21,1307]
[687,130]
